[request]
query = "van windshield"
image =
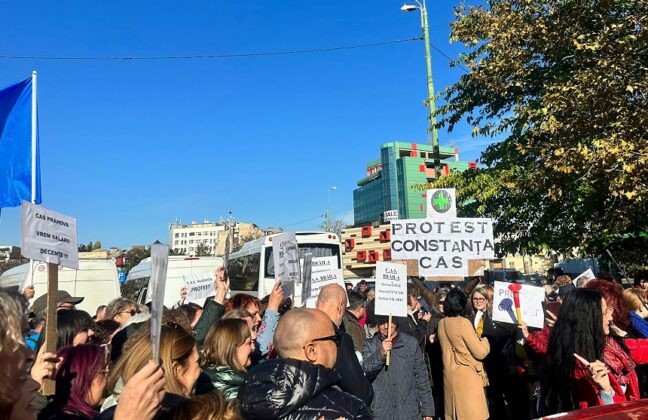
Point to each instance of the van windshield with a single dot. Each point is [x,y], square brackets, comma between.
[318,250]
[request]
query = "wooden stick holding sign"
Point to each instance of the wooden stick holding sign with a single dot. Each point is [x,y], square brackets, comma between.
[49,237]
[391,294]
[49,385]
[389,333]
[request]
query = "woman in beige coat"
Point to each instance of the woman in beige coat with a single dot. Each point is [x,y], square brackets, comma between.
[464,377]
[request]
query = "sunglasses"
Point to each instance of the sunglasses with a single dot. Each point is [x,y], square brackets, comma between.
[133,312]
[336,338]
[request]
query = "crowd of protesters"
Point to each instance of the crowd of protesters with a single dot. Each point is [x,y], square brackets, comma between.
[239,357]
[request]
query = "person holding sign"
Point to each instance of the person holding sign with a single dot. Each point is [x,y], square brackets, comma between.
[463,351]
[402,389]
[506,391]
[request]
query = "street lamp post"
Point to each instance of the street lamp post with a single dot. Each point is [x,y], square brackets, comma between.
[429,102]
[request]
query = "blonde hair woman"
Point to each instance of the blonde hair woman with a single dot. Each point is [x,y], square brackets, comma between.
[638,311]
[178,357]
[226,356]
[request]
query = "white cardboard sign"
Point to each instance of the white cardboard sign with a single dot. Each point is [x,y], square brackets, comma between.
[391,289]
[285,253]
[441,203]
[159,265]
[530,300]
[199,286]
[588,275]
[442,247]
[49,236]
[324,271]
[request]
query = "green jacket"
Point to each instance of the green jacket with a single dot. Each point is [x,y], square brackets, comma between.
[221,378]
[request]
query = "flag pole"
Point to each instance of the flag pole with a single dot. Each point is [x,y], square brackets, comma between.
[34,128]
[34,132]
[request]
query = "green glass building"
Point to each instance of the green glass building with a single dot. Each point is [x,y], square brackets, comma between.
[388,181]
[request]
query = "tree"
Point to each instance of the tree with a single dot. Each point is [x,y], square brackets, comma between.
[96,246]
[334,226]
[202,250]
[562,85]
[90,246]
[82,248]
[135,256]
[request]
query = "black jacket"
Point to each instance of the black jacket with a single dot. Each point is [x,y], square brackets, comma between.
[296,390]
[348,368]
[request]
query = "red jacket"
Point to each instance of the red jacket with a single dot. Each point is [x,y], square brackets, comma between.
[586,390]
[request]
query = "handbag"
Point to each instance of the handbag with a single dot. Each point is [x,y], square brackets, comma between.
[462,360]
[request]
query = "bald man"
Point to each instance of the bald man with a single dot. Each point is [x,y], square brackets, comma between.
[301,383]
[332,301]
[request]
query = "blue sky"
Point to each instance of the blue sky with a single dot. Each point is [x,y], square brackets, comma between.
[129,146]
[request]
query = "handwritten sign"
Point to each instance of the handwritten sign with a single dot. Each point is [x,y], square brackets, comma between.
[324,271]
[49,236]
[285,254]
[442,247]
[199,286]
[527,305]
[391,289]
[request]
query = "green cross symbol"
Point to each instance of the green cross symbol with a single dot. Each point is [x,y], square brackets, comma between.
[441,201]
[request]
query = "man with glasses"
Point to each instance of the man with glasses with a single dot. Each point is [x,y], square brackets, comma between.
[301,383]
[332,300]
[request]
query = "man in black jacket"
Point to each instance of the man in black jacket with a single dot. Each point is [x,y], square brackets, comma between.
[332,301]
[301,383]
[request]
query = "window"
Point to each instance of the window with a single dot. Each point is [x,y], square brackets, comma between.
[190,248]
[198,233]
[318,250]
[176,243]
[177,235]
[191,241]
[192,233]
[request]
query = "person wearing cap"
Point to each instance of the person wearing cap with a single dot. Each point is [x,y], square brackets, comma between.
[362,288]
[402,390]
[64,299]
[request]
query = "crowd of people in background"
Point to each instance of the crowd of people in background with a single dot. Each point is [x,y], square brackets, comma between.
[240,357]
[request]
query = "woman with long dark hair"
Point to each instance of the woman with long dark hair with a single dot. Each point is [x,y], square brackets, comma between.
[73,327]
[607,372]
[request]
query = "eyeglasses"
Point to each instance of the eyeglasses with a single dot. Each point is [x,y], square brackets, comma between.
[476,299]
[132,312]
[334,338]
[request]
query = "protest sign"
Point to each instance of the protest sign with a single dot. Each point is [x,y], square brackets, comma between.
[442,247]
[512,301]
[285,255]
[441,203]
[324,271]
[48,236]
[391,289]
[307,269]
[159,264]
[587,275]
[199,286]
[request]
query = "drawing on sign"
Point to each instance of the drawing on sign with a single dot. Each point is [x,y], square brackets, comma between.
[513,303]
[441,201]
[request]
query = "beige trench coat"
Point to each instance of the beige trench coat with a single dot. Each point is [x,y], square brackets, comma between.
[465,398]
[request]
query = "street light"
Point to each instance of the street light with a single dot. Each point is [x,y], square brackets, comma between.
[429,102]
[328,205]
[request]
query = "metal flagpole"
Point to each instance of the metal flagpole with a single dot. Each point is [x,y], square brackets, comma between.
[34,133]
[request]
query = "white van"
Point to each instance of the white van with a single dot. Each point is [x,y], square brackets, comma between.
[96,281]
[137,281]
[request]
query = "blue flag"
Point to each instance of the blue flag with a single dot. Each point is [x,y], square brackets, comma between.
[16,146]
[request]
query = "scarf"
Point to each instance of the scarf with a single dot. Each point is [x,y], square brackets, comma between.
[618,361]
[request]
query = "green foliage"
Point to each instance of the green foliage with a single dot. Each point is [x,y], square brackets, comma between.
[202,250]
[96,246]
[564,85]
[135,256]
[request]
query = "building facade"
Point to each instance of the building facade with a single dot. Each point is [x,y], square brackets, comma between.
[185,238]
[388,183]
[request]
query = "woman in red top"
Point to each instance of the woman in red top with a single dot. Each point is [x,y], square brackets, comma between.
[583,328]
